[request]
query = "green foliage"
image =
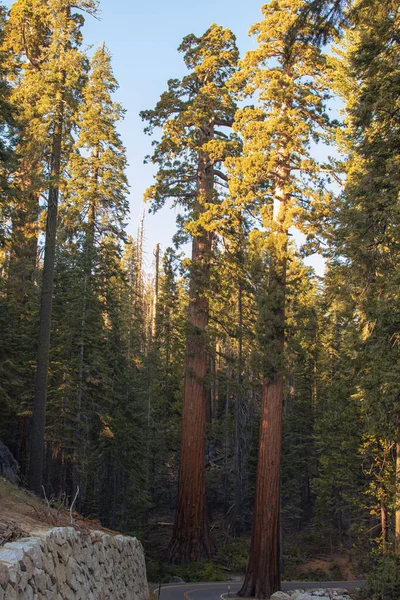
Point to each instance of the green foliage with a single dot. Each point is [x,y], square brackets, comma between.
[201,570]
[96,191]
[191,114]
[234,555]
[383,580]
[7,111]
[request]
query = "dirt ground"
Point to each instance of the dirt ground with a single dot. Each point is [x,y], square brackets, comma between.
[326,566]
[23,515]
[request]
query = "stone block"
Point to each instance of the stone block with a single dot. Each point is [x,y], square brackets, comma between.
[10,593]
[3,574]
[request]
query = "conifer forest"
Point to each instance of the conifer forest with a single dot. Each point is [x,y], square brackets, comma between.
[233,408]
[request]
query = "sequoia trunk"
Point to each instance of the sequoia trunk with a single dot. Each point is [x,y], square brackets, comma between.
[191,537]
[263,571]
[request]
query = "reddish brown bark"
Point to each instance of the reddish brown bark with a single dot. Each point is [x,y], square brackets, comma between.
[263,577]
[263,571]
[191,539]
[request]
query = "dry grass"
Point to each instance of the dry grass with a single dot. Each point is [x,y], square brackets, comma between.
[22,514]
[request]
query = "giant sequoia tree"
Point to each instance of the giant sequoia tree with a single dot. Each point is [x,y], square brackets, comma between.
[276,175]
[192,148]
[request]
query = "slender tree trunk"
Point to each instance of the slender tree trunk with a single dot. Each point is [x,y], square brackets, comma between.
[213,388]
[156,286]
[39,404]
[238,410]
[87,279]
[384,526]
[191,537]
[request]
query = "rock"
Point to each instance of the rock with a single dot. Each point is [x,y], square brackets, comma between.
[10,532]
[10,593]
[8,465]
[28,592]
[176,579]
[65,564]
[280,596]
[305,596]
[3,574]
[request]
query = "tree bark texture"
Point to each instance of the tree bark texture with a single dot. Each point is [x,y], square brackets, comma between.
[263,571]
[262,576]
[384,527]
[191,537]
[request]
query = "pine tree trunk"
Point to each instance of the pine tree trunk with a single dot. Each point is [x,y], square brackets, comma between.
[191,537]
[39,404]
[238,411]
[384,527]
[156,286]
[87,283]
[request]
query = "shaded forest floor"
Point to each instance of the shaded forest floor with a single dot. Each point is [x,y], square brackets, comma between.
[23,515]
[304,558]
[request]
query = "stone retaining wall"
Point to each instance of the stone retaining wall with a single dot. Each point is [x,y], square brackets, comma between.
[64,564]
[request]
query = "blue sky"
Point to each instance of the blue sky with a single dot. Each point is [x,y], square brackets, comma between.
[143,38]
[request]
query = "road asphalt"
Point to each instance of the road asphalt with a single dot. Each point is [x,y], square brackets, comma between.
[224,590]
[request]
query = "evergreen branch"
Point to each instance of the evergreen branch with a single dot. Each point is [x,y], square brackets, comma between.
[221,175]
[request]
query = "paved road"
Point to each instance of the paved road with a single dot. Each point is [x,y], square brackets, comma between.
[213,591]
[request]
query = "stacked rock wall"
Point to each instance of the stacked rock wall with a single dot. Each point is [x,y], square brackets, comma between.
[65,564]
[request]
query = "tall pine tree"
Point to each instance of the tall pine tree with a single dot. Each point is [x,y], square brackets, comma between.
[54,66]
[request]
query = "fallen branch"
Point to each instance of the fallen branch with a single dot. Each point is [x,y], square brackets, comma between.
[72,505]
